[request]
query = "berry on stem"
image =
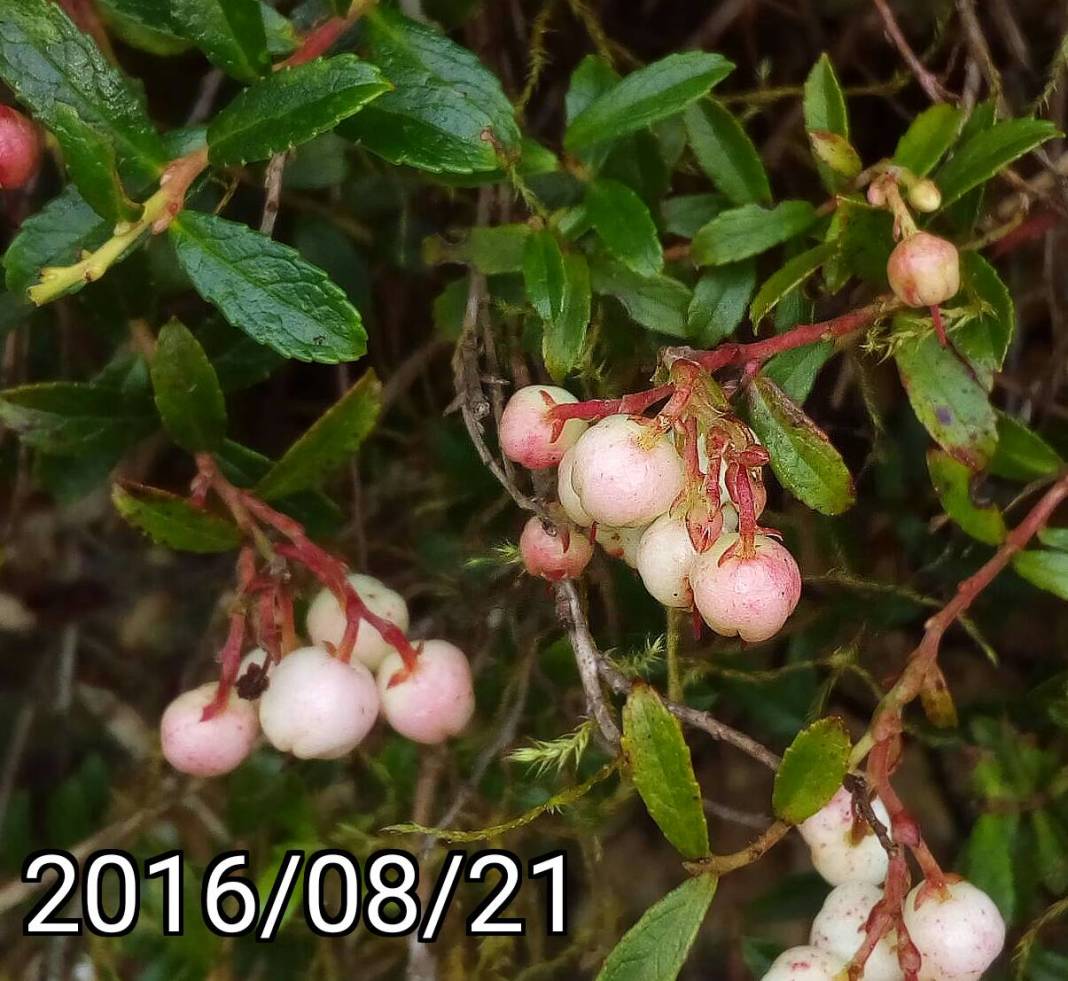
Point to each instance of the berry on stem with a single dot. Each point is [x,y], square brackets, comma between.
[844,848]
[665,558]
[563,555]
[924,270]
[20,149]
[805,964]
[527,433]
[619,543]
[433,701]
[327,621]
[207,747]
[839,929]
[925,196]
[959,933]
[565,491]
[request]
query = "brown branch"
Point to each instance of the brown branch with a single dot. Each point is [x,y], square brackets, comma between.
[755,850]
[934,88]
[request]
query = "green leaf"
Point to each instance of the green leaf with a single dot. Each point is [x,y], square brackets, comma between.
[172,521]
[1021,453]
[1051,847]
[978,159]
[802,457]
[812,770]
[865,240]
[928,138]
[719,301]
[230,32]
[795,371]
[188,396]
[750,230]
[543,274]
[564,338]
[989,861]
[684,215]
[625,226]
[491,249]
[1045,568]
[659,763]
[836,154]
[825,111]
[291,107]
[650,94]
[49,63]
[447,113]
[267,290]
[657,302]
[963,214]
[788,277]
[656,947]
[1056,538]
[334,437]
[984,339]
[948,400]
[726,154]
[591,79]
[952,482]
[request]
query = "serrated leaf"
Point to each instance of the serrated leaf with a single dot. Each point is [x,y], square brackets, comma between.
[172,521]
[447,113]
[836,153]
[543,274]
[928,138]
[812,770]
[230,32]
[749,230]
[865,240]
[726,154]
[1021,453]
[267,290]
[291,107]
[624,225]
[686,214]
[591,79]
[334,437]
[952,482]
[802,457]
[187,392]
[1045,568]
[660,303]
[985,338]
[824,108]
[656,947]
[645,96]
[659,763]
[720,298]
[795,371]
[788,277]
[564,338]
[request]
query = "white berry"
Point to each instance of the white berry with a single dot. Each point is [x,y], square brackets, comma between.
[207,748]
[829,834]
[805,964]
[959,936]
[839,929]
[434,701]
[326,620]
[665,559]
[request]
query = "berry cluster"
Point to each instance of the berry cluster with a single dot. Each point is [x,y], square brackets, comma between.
[677,496]
[948,932]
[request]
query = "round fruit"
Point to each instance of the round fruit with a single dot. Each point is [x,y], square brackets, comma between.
[212,747]
[544,554]
[958,936]
[925,196]
[924,270]
[526,431]
[433,702]
[805,964]
[20,149]
[839,858]
[665,557]
[619,543]
[565,491]
[839,929]
[326,619]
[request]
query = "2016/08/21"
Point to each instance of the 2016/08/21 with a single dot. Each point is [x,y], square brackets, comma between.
[385,897]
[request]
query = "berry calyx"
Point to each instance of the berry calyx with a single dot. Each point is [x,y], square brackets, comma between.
[20,149]
[565,491]
[563,555]
[318,707]
[839,929]
[433,701]
[528,435]
[665,559]
[805,964]
[924,270]
[958,931]
[843,847]
[211,747]
[326,620]
[746,595]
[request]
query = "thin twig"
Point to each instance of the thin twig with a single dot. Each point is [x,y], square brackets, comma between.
[928,82]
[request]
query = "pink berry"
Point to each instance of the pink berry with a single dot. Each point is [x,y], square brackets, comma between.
[207,748]
[924,270]
[318,707]
[526,431]
[805,964]
[665,558]
[839,858]
[326,619]
[958,936]
[750,597]
[565,491]
[433,702]
[544,554]
[20,149]
[839,929]
[626,473]
[619,543]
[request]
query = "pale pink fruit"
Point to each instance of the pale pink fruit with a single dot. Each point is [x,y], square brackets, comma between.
[544,554]
[565,491]
[318,707]
[839,929]
[436,700]
[526,431]
[207,748]
[20,149]
[958,937]
[829,833]
[805,964]
[746,597]
[619,543]
[924,270]
[326,619]
[665,558]
[626,473]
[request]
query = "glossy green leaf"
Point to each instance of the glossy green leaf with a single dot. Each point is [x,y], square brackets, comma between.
[659,763]
[865,240]
[645,96]
[291,107]
[187,392]
[1021,453]
[656,947]
[564,338]
[660,303]
[591,79]
[543,274]
[802,457]
[230,32]
[788,277]
[624,225]
[984,339]
[836,154]
[952,482]
[491,249]
[686,214]
[172,521]
[812,770]
[824,110]
[726,154]
[1045,568]
[719,302]
[795,371]
[750,230]
[143,24]
[267,290]
[928,138]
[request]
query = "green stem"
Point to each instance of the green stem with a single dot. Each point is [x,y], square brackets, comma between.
[674,638]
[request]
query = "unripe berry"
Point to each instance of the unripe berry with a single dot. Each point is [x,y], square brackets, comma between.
[924,270]
[20,149]
[924,196]
[805,964]
[545,555]
[318,707]
[749,597]
[839,929]
[958,937]
[207,748]
[326,620]
[565,491]
[436,700]
[619,543]
[665,558]
[837,857]
[526,431]
[626,473]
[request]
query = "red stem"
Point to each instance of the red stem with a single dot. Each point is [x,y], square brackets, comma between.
[592,409]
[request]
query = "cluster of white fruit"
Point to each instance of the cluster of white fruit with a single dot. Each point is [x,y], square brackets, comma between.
[623,484]
[958,931]
[317,706]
